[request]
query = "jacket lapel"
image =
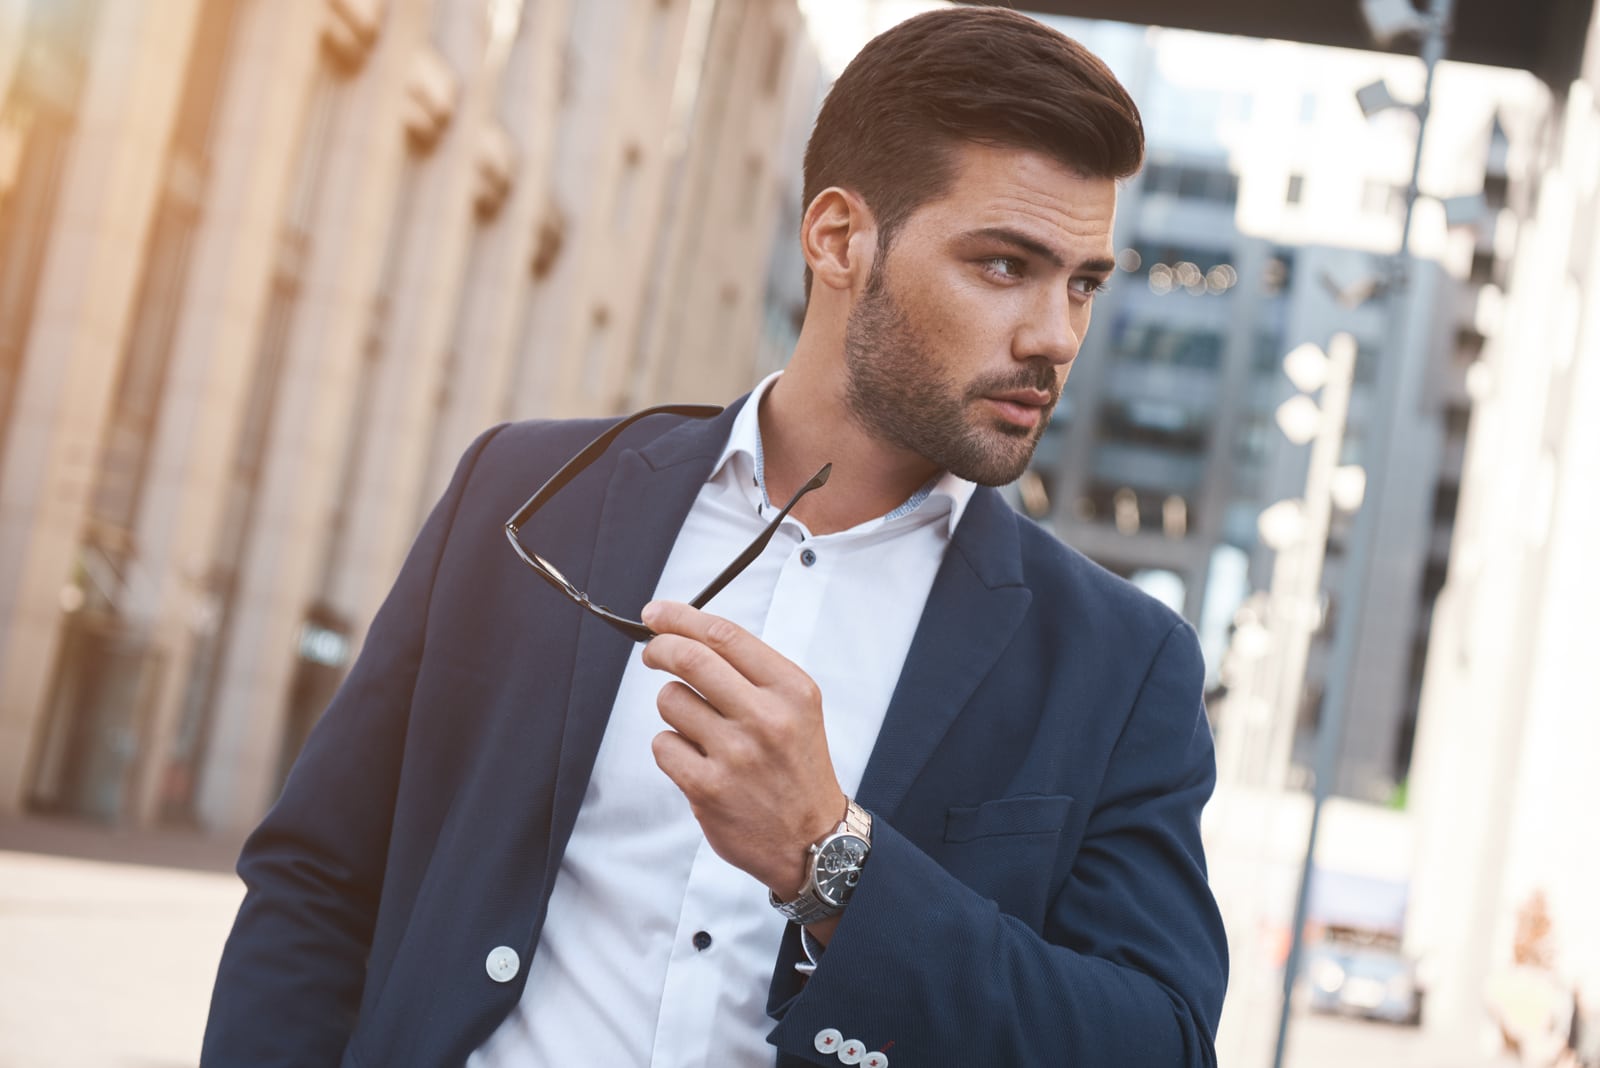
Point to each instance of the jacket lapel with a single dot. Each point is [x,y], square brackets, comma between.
[976,604]
[650,493]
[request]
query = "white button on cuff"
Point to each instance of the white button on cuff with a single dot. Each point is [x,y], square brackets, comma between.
[875,1060]
[502,964]
[852,1051]
[828,1040]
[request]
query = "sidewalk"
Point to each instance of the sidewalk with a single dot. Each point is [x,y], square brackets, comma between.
[108,943]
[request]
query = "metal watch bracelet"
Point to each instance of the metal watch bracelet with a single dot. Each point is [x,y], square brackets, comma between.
[808,907]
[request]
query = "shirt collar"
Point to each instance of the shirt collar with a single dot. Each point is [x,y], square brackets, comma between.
[743,458]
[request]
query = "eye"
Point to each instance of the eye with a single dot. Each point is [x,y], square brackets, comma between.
[1089,286]
[1007,267]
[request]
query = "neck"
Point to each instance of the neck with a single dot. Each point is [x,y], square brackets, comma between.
[806,423]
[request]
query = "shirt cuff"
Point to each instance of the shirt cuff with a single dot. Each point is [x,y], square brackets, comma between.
[813,950]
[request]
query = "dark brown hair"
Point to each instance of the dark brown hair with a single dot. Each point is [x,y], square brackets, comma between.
[967,74]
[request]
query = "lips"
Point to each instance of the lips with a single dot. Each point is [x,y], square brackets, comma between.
[1021,407]
[1031,398]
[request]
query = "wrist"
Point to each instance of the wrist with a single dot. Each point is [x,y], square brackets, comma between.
[823,930]
[833,866]
[793,877]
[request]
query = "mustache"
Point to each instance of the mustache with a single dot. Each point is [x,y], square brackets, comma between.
[1041,376]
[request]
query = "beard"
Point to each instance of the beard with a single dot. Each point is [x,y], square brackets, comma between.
[893,392]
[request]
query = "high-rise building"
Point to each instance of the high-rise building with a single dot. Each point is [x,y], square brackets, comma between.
[265,269]
[1265,218]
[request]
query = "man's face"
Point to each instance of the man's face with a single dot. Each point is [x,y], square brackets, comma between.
[960,342]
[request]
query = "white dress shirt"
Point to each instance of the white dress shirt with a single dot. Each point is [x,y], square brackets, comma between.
[655,950]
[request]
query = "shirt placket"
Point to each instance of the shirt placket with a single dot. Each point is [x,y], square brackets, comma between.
[685,1026]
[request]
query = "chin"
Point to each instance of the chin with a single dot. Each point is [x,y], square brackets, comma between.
[994,470]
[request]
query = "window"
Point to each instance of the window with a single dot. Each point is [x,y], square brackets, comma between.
[1469,345]
[1156,423]
[1132,511]
[1446,496]
[1153,343]
[1297,183]
[1482,272]
[1267,353]
[1192,182]
[1278,274]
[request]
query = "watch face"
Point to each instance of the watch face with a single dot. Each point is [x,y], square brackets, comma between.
[839,867]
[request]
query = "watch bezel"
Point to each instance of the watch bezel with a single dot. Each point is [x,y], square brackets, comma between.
[810,904]
[821,880]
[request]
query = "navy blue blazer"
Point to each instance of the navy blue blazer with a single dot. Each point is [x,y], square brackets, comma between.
[1037,892]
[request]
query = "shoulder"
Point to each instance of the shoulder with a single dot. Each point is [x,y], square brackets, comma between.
[1090,605]
[530,451]
[535,443]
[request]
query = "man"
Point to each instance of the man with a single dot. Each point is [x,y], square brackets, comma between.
[921,784]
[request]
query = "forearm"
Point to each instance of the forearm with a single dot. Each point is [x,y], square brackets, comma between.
[1110,949]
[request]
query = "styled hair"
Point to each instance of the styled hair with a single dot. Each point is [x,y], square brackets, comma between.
[889,126]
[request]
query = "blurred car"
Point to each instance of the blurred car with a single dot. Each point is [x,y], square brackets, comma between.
[1363,974]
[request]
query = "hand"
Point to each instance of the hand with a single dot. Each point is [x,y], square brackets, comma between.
[747,745]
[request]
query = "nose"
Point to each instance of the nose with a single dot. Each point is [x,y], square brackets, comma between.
[1052,327]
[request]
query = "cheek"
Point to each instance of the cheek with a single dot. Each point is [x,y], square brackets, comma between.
[946,318]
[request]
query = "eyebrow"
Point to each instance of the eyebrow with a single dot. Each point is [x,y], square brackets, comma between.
[1021,240]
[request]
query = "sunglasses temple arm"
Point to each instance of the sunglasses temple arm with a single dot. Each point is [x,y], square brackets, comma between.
[729,573]
[572,467]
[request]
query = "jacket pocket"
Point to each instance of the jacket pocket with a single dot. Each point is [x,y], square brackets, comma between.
[1031,814]
[1008,849]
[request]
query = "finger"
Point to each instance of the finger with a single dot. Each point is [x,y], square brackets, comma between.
[677,757]
[751,657]
[698,665]
[690,715]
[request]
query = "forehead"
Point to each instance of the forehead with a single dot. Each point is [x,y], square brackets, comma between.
[994,186]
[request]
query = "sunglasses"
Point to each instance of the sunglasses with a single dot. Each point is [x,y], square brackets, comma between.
[633,628]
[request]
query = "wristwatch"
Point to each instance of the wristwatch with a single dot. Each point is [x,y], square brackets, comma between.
[832,870]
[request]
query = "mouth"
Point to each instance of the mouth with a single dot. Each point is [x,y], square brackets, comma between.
[1023,408]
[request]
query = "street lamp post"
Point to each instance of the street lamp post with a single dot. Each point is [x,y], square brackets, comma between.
[1298,530]
[1434,30]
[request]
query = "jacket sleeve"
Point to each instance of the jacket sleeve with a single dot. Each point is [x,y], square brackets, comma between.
[290,981]
[1129,968]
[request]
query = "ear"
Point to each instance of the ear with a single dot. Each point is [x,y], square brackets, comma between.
[839,238]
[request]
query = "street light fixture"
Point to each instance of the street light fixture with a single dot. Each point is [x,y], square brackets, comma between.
[1297,529]
[1307,367]
[1282,526]
[1389,20]
[1298,418]
[1376,98]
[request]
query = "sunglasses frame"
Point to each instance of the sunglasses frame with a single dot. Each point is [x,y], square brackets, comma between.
[633,628]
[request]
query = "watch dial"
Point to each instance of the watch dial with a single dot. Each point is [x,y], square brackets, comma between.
[839,868]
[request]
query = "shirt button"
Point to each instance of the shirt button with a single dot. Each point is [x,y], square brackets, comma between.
[852,1051]
[875,1060]
[502,964]
[807,557]
[702,941]
[828,1040]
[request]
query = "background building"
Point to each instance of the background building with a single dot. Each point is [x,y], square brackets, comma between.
[266,269]
[1510,730]
[1265,219]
